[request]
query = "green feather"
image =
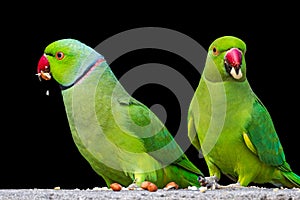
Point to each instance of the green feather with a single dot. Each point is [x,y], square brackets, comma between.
[120,137]
[249,143]
[230,124]
[267,145]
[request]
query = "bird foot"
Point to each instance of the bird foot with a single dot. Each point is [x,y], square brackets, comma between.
[209,182]
[233,185]
[133,185]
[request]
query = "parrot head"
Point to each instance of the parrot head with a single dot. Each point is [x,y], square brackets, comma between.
[226,60]
[66,61]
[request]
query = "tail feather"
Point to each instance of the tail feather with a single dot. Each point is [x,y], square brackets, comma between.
[186,164]
[181,176]
[293,178]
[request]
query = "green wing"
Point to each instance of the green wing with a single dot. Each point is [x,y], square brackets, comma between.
[157,140]
[192,131]
[263,136]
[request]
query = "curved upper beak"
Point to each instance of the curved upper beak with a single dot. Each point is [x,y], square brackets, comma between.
[233,62]
[43,69]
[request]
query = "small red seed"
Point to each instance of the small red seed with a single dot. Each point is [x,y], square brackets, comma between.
[171,185]
[152,187]
[115,186]
[145,184]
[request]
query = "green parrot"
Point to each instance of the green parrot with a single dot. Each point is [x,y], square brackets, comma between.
[231,127]
[121,138]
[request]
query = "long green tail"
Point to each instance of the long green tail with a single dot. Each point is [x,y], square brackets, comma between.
[293,178]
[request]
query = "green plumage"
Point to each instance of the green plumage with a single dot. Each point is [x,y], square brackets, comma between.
[122,139]
[231,126]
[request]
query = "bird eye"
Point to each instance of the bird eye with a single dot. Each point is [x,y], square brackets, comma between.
[215,51]
[59,55]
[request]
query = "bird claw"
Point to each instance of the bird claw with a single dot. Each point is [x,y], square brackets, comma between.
[209,182]
[132,186]
[233,185]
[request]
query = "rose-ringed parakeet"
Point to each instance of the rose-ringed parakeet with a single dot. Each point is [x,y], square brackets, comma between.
[230,125]
[121,138]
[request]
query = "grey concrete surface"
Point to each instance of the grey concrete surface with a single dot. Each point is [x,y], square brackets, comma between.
[253,193]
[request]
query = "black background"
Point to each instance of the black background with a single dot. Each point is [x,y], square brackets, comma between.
[37,150]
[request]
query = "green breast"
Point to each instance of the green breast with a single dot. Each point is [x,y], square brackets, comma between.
[224,109]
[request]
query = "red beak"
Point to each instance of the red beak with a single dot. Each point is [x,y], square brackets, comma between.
[233,57]
[43,69]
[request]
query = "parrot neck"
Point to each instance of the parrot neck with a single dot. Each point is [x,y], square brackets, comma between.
[241,86]
[88,70]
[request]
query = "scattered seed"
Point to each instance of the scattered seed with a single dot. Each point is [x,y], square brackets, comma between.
[132,186]
[171,185]
[192,188]
[115,186]
[152,187]
[145,185]
[203,189]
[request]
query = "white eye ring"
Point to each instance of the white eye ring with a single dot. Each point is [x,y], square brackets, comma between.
[59,55]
